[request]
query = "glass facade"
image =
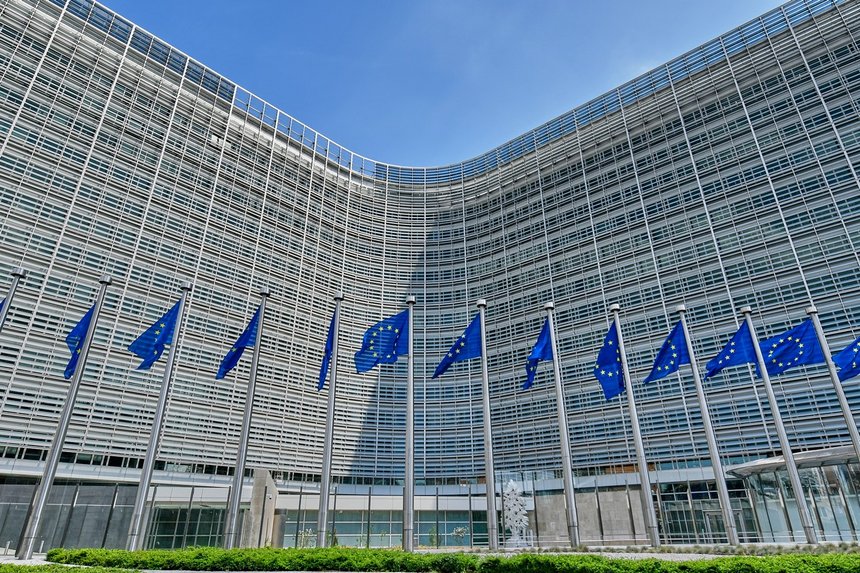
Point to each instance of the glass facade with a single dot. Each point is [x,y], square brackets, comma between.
[831,494]
[724,178]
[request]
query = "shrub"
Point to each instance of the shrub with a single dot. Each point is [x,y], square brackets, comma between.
[348,559]
[455,563]
[15,568]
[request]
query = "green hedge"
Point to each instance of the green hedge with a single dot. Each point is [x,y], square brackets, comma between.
[345,559]
[215,559]
[15,568]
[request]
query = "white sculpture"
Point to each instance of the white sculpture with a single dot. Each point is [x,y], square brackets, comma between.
[516,518]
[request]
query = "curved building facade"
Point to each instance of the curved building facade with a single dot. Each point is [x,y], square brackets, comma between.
[724,178]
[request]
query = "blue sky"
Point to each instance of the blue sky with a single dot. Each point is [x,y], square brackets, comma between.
[432,82]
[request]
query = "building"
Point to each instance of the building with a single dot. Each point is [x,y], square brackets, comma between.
[726,177]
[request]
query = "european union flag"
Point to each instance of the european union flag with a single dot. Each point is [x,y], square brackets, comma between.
[848,361]
[384,342]
[672,354]
[792,348]
[542,350]
[75,341]
[329,348]
[608,368]
[248,339]
[150,345]
[739,350]
[466,347]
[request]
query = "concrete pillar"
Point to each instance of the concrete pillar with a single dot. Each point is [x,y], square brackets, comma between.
[259,521]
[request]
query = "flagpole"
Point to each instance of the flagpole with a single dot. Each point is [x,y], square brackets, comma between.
[790,465]
[492,517]
[28,537]
[837,384]
[232,534]
[17,273]
[716,463]
[136,529]
[409,472]
[569,491]
[325,484]
[644,479]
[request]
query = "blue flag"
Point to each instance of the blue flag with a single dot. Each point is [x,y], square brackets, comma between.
[150,345]
[75,341]
[248,339]
[792,348]
[384,342]
[848,361]
[608,368]
[738,351]
[466,347]
[672,354]
[329,348]
[542,350]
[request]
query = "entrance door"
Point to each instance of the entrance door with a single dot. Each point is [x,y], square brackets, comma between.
[715,530]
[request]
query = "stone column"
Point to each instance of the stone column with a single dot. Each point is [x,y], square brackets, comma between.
[258,525]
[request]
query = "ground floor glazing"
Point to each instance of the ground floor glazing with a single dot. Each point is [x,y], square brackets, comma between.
[93,514]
